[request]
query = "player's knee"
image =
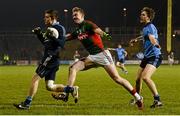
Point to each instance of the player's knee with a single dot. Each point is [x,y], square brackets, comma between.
[72,68]
[145,76]
[50,86]
[145,79]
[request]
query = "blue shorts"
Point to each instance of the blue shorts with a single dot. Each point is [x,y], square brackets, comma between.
[48,68]
[154,60]
[122,60]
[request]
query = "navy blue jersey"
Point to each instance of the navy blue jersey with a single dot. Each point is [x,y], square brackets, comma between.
[149,49]
[53,45]
[120,53]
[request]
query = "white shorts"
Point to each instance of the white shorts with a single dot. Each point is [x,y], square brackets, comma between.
[171,61]
[102,58]
[76,59]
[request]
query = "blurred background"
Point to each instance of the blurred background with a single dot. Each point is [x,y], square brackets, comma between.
[120,18]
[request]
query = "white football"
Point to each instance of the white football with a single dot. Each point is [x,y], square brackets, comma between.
[54,31]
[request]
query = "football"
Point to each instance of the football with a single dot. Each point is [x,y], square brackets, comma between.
[54,31]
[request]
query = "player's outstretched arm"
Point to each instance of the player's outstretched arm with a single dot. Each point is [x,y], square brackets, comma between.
[37,31]
[132,41]
[111,48]
[139,38]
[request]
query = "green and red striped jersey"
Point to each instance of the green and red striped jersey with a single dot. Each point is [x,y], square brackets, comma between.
[90,40]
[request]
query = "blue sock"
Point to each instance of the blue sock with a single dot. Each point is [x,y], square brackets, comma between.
[68,89]
[28,100]
[157,97]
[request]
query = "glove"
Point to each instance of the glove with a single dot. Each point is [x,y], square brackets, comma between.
[106,36]
[133,41]
[36,30]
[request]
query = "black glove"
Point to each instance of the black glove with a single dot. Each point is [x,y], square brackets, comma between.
[36,30]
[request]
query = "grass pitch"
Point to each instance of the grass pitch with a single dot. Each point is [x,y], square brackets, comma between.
[98,93]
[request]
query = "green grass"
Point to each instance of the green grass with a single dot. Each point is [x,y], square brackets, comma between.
[98,93]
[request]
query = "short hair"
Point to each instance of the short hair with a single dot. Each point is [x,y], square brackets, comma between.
[77,9]
[150,12]
[53,13]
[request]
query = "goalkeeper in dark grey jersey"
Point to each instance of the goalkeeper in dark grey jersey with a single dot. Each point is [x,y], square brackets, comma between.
[53,39]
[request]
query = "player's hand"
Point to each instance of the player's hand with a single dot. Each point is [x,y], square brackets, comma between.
[133,41]
[36,30]
[106,36]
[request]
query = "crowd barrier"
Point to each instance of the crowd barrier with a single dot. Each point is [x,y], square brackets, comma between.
[67,62]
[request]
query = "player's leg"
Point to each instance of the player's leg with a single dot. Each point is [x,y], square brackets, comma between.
[171,61]
[76,67]
[121,65]
[139,80]
[49,80]
[138,84]
[73,69]
[32,91]
[50,86]
[41,71]
[105,59]
[146,76]
[118,64]
[124,68]
[34,85]
[111,70]
[82,64]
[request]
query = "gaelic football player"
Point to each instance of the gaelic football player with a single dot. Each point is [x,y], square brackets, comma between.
[152,55]
[53,40]
[90,35]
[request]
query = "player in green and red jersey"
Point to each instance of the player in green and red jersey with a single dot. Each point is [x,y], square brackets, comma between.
[90,35]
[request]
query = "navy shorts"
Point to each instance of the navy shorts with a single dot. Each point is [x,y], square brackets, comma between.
[154,60]
[48,68]
[48,73]
[122,60]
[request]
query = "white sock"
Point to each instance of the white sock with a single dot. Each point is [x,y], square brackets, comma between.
[137,96]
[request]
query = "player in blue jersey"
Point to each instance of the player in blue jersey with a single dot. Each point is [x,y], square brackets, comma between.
[152,55]
[121,53]
[53,39]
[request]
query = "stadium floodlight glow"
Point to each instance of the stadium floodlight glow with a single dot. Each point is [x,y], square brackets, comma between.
[174,35]
[124,9]
[65,10]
